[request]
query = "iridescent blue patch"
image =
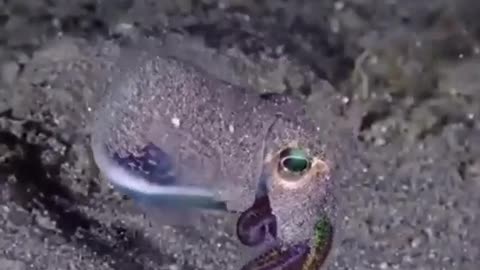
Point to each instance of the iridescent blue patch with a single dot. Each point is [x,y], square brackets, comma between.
[157,167]
[152,164]
[173,200]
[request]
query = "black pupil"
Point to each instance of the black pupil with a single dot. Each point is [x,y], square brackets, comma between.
[294,160]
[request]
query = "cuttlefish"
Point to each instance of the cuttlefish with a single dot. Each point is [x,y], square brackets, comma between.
[171,136]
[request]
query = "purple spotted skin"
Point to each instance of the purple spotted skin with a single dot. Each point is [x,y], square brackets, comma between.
[257,223]
[279,258]
[153,165]
[257,226]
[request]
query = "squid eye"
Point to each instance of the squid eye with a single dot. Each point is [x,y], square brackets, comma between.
[294,162]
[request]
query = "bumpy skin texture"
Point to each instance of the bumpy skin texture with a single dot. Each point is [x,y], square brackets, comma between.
[148,98]
[165,128]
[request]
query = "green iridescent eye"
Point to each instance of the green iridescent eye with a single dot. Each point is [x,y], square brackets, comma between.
[294,160]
